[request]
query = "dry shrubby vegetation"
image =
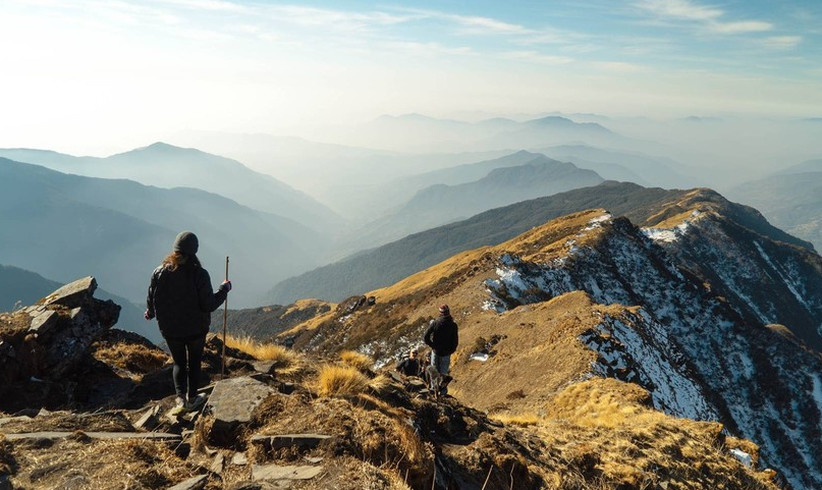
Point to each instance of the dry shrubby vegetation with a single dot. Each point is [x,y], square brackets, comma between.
[262,351]
[356,360]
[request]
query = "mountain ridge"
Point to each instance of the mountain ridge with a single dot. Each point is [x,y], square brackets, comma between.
[654,321]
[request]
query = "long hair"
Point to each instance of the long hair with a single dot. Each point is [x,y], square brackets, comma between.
[175,259]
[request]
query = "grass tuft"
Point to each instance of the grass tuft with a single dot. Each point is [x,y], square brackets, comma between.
[356,360]
[262,351]
[341,381]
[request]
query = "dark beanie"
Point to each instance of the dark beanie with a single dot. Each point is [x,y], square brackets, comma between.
[186,243]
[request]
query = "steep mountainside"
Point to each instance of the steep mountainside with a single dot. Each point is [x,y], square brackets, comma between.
[120,230]
[440,204]
[394,261]
[792,200]
[591,295]
[82,406]
[168,166]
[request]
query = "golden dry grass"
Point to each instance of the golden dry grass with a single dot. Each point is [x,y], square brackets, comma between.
[105,465]
[518,419]
[334,380]
[356,360]
[262,351]
[134,358]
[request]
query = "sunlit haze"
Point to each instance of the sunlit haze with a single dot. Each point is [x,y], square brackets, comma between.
[97,77]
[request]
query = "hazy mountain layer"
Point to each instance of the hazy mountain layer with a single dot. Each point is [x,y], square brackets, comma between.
[439,204]
[793,201]
[169,166]
[419,133]
[627,166]
[67,226]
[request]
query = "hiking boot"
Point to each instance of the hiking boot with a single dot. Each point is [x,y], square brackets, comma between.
[195,403]
[179,407]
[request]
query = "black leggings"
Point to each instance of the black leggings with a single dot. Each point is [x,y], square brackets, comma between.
[187,354]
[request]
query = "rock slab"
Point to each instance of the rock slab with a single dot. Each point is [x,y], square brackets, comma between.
[277,472]
[231,404]
[194,483]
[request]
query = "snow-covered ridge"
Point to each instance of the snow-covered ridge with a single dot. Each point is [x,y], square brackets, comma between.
[640,351]
[671,234]
[694,354]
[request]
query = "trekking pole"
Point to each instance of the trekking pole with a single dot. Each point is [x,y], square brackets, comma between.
[225,321]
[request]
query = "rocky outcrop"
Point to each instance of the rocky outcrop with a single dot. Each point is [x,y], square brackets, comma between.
[47,340]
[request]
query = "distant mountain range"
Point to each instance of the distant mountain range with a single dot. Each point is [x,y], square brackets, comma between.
[628,166]
[388,263]
[791,199]
[421,133]
[67,226]
[536,176]
[168,166]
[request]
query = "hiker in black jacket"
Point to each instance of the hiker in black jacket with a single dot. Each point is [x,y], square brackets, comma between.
[443,337]
[181,298]
[410,366]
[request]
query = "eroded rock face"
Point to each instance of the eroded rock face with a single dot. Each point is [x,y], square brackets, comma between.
[46,340]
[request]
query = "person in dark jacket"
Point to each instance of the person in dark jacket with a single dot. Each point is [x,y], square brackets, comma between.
[181,298]
[410,366]
[443,338]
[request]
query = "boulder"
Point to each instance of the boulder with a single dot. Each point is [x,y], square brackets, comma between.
[48,340]
[231,404]
[72,295]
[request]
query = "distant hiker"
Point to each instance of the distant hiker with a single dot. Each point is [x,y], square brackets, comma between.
[443,337]
[181,298]
[410,366]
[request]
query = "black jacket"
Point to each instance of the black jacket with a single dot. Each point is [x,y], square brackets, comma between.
[409,367]
[442,336]
[182,300]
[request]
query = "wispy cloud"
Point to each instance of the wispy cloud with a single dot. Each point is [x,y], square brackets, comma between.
[619,67]
[782,42]
[681,9]
[537,57]
[740,27]
[470,24]
[213,5]
[709,18]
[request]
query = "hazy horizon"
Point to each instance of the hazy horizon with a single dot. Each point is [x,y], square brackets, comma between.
[89,77]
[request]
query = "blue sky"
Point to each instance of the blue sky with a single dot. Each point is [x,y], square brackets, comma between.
[75,68]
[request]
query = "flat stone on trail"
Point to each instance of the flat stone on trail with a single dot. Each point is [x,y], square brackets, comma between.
[265,367]
[154,436]
[276,472]
[73,294]
[233,400]
[194,483]
[231,403]
[303,441]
